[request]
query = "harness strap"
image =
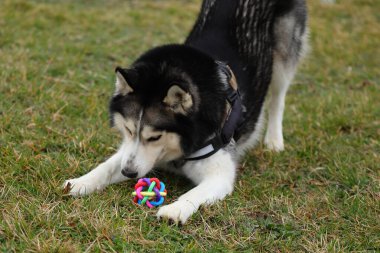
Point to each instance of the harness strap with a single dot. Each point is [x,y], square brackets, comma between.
[233,119]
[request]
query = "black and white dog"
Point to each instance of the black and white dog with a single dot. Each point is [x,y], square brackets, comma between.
[196,107]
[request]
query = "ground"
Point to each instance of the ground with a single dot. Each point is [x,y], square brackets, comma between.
[322,194]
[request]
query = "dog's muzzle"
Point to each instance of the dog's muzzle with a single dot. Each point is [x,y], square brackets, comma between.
[129,173]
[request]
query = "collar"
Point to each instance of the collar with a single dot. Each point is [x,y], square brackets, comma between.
[234,115]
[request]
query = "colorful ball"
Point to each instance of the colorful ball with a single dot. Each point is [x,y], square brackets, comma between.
[149,191]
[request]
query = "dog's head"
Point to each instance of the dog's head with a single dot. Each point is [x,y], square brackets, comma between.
[166,105]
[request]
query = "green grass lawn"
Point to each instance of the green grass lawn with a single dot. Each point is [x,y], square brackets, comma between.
[57,60]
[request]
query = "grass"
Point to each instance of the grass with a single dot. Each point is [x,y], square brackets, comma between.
[57,59]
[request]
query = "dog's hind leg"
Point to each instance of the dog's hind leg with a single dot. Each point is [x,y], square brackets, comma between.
[214,177]
[291,45]
[106,173]
[281,79]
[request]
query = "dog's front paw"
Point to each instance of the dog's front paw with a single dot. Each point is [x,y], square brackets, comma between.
[80,187]
[177,212]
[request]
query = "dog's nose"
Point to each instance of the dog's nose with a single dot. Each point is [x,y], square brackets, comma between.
[128,173]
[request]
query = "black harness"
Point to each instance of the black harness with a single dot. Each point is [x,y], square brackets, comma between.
[232,122]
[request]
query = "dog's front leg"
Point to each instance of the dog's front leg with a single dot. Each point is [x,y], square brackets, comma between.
[106,173]
[214,177]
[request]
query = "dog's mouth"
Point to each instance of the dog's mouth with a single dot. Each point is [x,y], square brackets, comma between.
[129,173]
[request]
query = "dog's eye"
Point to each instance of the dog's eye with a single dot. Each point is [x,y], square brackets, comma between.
[155,138]
[128,130]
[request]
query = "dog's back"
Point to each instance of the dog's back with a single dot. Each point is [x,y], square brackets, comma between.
[255,38]
[244,32]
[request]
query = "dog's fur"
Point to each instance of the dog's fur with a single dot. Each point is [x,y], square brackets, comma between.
[173,98]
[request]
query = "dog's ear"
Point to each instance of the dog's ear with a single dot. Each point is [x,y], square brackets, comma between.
[122,85]
[178,100]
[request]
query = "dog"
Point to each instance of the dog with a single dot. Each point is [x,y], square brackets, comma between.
[195,108]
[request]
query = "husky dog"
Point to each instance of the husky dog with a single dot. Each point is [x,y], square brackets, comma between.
[196,107]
